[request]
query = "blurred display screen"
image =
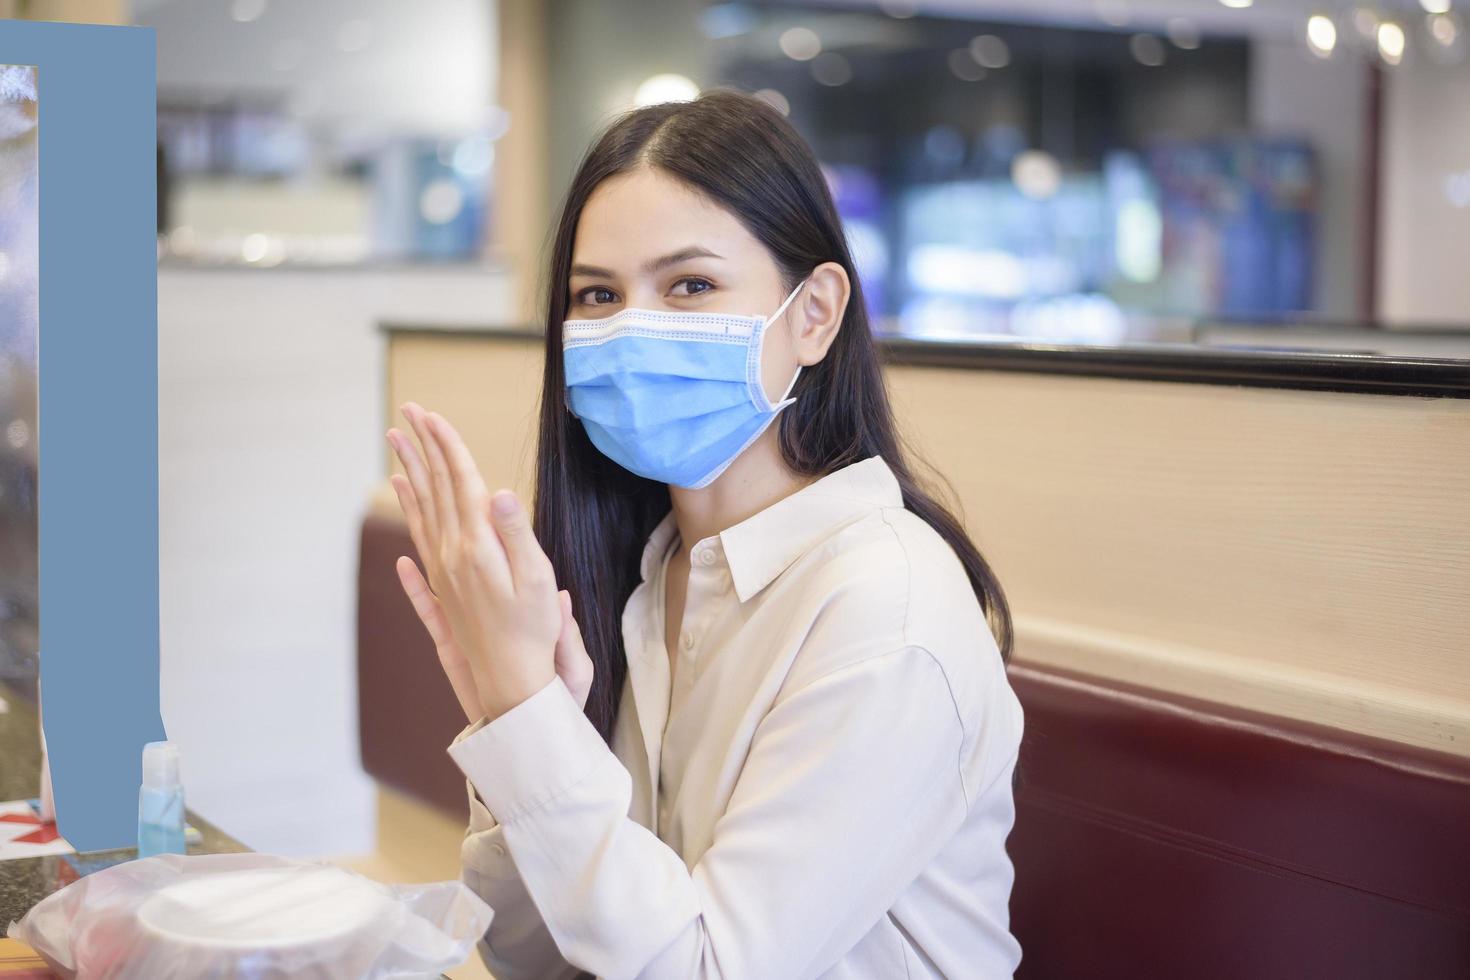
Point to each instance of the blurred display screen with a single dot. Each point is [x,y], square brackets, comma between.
[19,365]
[1038,180]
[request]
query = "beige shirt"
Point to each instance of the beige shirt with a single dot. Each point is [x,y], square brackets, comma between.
[825,791]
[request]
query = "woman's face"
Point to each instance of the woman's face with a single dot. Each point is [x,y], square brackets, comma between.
[646,240]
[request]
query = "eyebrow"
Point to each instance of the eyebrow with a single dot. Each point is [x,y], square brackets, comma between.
[683,254]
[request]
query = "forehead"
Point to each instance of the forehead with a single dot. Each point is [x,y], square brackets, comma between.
[644,213]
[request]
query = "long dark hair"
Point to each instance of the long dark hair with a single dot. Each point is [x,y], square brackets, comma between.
[591,515]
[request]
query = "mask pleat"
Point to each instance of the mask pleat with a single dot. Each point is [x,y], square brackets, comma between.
[641,400]
[681,450]
[672,357]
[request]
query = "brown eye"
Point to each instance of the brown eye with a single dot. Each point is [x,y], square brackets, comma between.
[602,293]
[704,283]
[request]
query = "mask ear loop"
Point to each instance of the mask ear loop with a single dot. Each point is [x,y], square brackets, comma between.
[794,376]
[772,319]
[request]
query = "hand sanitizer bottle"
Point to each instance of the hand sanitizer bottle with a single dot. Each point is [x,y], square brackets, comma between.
[48,803]
[160,802]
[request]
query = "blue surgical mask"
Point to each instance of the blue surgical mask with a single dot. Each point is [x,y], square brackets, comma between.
[672,396]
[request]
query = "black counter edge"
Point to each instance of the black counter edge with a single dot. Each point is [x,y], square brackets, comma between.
[1317,371]
[1378,374]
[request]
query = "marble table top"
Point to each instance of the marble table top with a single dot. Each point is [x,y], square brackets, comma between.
[25,881]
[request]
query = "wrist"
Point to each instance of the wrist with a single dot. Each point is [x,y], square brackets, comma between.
[499,698]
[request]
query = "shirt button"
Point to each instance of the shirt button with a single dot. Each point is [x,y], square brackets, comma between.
[686,640]
[707,556]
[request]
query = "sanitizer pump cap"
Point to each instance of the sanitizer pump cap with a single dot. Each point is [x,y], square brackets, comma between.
[160,765]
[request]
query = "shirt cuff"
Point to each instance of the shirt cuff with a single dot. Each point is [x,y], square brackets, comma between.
[531,754]
[469,730]
[480,818]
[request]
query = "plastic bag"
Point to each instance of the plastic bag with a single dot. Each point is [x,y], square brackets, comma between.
[250,917]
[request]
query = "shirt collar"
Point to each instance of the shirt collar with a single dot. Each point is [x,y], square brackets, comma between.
[765,544]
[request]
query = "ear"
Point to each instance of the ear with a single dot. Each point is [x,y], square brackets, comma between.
[820,309]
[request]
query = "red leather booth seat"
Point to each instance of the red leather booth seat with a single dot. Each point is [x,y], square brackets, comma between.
[407,712]
[1156,836]
[1161,836]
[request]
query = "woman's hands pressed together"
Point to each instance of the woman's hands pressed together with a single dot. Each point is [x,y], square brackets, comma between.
[502,629]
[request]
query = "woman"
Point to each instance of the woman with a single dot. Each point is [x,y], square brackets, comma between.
[808,771]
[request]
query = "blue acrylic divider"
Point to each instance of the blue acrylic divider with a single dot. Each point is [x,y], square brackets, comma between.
[98,420]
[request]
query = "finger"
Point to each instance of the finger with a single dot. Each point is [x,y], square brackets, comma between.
[424,601]
[464,476]
[417,473]
[470,495]
[564,603]
[528,563]
[410,505]
[439,495]
[456,668]
[571,634]
[573,664]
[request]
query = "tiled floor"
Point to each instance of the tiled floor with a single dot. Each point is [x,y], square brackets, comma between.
[416,843]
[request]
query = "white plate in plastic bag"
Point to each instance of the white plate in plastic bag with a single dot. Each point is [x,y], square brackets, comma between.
[250,917]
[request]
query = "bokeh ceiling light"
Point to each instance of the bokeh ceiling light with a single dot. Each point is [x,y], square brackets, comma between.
[800,43]
[1236,4]
[1146,50]
[775,100]
[1444,28]
[1391,42]
[1184,33]
[964,67]
[1321,35]
[666,87]
[1435,6]
[990,51]
[1444,38]
[830,68]
[440,202]
[472,156]
[1037,174]
[254,247]
[1365,21]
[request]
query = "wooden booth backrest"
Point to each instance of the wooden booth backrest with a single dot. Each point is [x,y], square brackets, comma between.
[1157,836]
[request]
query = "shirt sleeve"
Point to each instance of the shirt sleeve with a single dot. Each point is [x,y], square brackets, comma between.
[851,786]
[517,944]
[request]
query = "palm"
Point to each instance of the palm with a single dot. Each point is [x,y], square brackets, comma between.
[488,597]
[573,665]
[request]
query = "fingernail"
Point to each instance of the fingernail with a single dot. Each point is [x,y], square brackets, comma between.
[504,503]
